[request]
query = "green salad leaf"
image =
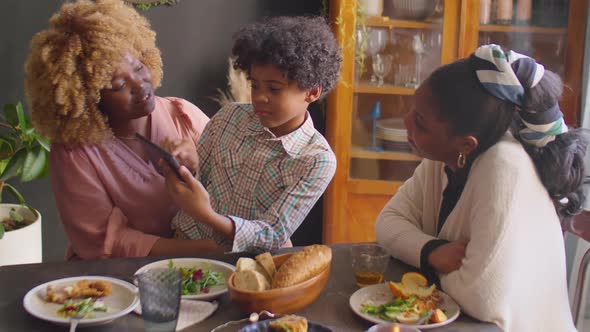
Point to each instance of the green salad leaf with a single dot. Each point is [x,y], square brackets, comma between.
[85,307]
[390,311]
[196,280]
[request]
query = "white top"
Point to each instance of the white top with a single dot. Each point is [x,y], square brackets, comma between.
[514,271]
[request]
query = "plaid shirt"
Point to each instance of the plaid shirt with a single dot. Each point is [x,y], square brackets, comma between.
[265,184]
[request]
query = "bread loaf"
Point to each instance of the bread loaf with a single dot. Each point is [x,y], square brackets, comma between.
[289,323]
[268,264]
[246,263]
[250,280]
[302,265]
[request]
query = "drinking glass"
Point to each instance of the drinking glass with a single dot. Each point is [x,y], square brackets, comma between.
[376,41]
[159,293]
[369,261]
[404,75]
[418,48]
[382,66]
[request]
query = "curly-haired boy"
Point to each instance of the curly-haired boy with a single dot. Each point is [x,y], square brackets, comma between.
[262,166]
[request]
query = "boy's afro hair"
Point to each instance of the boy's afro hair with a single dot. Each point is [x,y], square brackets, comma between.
[303,47]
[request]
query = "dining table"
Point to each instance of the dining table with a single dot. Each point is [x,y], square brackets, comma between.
[331,309]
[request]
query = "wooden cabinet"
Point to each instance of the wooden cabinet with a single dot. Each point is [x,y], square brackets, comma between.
[385,58]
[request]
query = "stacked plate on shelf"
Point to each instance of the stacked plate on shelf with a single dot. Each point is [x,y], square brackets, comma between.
[393,134]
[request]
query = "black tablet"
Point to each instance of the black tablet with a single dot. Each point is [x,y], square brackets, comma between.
[156,152]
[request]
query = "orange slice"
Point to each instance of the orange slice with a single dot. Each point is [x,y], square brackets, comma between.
[397,289]
[438,316]
[414,278]
[412,283]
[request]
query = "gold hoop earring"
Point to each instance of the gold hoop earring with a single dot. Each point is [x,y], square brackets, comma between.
[461,160]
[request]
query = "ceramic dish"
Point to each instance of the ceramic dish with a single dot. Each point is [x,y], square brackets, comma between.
[206,264]
[392,129]
[380,294]
[262,326]
[120,302]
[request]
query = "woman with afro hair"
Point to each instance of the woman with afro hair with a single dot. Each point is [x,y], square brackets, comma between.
[264,164]
[90,80]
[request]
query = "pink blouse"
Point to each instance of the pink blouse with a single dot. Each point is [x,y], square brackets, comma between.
[111,202]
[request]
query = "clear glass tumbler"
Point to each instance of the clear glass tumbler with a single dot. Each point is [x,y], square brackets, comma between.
[369,262]
[159,293]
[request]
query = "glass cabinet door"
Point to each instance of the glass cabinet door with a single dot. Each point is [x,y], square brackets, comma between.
[535,28]
[551,31]
[394,53]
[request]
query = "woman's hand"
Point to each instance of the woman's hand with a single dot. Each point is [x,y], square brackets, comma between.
[184,151]
[448,257]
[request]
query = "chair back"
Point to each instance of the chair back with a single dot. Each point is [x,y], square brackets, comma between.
[579,226]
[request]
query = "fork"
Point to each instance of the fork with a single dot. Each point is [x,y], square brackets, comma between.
[421,320]
[74,320]
[253,318]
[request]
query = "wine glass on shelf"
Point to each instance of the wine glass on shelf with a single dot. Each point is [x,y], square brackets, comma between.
[360,58]
[382,66]
[418,48]
[376,42]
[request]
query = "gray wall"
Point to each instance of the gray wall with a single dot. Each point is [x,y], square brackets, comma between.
[195,39]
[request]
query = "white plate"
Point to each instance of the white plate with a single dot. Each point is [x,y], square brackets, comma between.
[120,302]
[206,264]
[380,294]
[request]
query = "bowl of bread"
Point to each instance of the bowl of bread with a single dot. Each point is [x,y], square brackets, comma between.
[281,284]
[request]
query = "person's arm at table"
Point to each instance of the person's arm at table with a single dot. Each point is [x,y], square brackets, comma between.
[169,247]
[491,261]
[399,226]
[276,225]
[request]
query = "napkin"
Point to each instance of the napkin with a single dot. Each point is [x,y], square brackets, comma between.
[191,312]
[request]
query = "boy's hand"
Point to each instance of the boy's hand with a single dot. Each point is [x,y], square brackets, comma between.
[189,195]
[448,257]
[184,151]
[192,197]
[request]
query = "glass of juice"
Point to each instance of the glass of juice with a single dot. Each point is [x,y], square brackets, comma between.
[369,261]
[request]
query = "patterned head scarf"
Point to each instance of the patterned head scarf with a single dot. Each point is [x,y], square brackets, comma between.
[496,74]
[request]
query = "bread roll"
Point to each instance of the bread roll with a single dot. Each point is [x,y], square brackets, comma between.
[246,263]
[250,280]
[290,323]
[302,265]
[265,260]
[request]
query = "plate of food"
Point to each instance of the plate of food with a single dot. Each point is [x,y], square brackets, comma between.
[409,302]
[290,323]
[100,299]
[202,279]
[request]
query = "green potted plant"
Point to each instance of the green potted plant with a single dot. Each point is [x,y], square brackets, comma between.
[23,154]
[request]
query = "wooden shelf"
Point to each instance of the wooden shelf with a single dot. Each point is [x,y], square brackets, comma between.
[386,22]
[521,28]
[362,153]
[386,89]
[373,187]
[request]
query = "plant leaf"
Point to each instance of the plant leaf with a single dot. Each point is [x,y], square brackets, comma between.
[15,193]
[34,164]
[10,114]
[42,142]
[7,144]
[2,231]
[22,119]
[14,165]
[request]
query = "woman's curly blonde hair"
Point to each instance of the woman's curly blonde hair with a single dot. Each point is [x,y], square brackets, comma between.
[75,58]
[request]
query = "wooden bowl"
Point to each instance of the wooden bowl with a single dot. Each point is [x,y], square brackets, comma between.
[285,300]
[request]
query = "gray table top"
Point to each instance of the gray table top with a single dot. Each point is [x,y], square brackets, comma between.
[330,308]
